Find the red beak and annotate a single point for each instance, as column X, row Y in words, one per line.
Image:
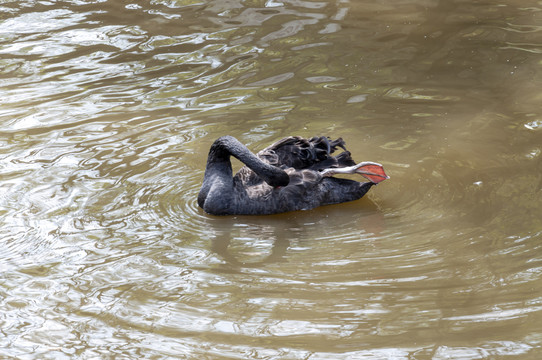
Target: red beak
column 373, row 172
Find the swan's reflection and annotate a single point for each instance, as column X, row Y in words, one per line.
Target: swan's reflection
column 240, row 240
column 221, row 246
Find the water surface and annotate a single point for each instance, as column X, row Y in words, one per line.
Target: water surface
column 108, row 109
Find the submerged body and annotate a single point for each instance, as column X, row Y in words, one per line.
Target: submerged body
column 292, row 174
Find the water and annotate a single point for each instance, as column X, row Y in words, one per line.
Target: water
column 107, row 111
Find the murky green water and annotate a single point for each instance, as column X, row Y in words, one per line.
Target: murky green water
column 107, row 111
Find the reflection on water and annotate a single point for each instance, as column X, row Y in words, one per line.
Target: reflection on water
column 106, row 116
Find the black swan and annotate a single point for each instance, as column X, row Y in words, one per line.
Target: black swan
column 292, row 174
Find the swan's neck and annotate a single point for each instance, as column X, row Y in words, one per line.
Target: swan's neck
column 216, row 190
column 218, row 193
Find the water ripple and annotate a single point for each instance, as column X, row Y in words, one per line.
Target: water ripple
column 108, row 112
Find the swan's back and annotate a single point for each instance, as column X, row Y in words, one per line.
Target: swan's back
column 295, row 152
column 299, row 153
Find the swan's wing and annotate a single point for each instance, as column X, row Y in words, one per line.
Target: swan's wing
column 300, row 153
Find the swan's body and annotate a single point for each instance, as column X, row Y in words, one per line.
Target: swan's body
column 292, row 174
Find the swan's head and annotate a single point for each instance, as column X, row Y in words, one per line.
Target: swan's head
column 277, row 177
